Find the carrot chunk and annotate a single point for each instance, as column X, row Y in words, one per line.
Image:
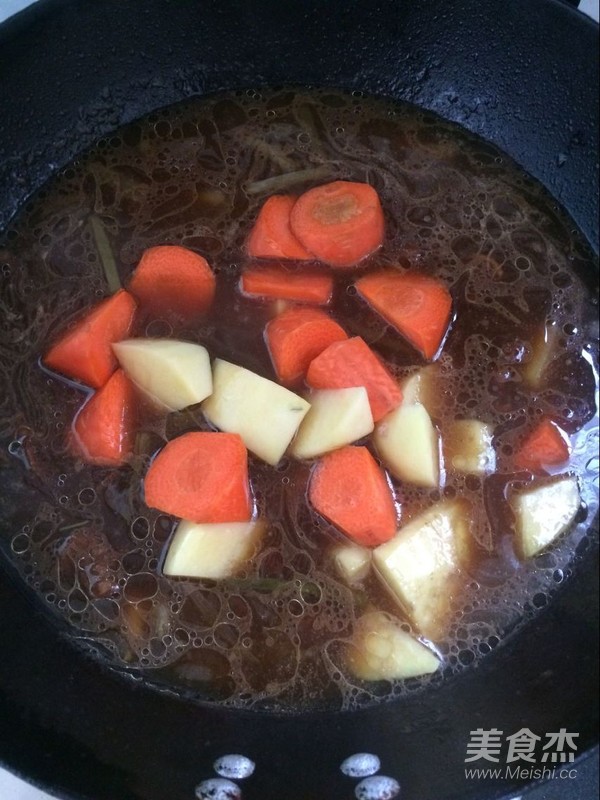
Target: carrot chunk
column 85, row 351
column 340, row 222
column 416, row 305
column 173, row 280
column 352, row 363
column 298, row 336
column 546, row 446
column 103, row 430
column 351, row 491
column 201, row 477
column 277, row 282
column 271, row 236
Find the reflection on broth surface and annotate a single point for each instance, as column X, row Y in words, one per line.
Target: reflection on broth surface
column 522, row 347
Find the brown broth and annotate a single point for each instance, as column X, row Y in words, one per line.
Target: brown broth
column 196, row 174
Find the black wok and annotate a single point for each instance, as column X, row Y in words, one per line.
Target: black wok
column 522, row 75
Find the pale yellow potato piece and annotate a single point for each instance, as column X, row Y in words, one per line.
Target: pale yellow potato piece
column 352, row 562
column 543, row 513
column 411, row 388
column 544, row 349
column 408, row 444
column 468, row 447
column 263, row 413
column 424, row 387
column 336, row 418
column 421, row 565
column 414, row 387
column 212, row 550
column 381, row 650
column 172, row 373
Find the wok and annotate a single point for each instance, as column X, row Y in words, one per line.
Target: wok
column 522, row 75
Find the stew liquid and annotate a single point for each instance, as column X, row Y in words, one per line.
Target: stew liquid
column 196, row 174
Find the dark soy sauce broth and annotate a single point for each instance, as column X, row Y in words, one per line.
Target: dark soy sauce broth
column 196, row 174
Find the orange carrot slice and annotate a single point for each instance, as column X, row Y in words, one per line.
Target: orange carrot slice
column 296, row 337
column 351, row 363
column 416, row 305
column 201, row 477
column 173, row 280
column 103, row 430
column 546, row 446
column 271, row 236
column 340, row 222
column 351, row 491
column 303, row 285
column 85, row 351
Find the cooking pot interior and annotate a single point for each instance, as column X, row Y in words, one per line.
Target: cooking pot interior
column 71, row 72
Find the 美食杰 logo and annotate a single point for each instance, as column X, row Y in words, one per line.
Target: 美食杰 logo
column 523, row 755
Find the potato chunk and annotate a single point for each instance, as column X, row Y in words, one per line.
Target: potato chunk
column 336, row 418
column 425, row 387
column 408, row 444
column 212, row 550
column 421, row 565
column 172, row 373
column 263, row 413
column 381, row 650
column 352, row 562
column 544, row 349
column 468, row 447
column 543, row 513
